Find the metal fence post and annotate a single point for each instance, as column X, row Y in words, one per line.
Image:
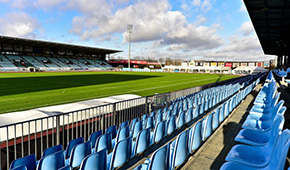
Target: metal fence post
column 146, row 105
column 58, row 130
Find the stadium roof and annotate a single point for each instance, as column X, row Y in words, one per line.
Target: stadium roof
column 54, row 45
column 271, row 20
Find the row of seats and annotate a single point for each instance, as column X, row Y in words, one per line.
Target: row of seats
column 264, row 143
column 46, row 63
column 135, row 137
column 175, row 153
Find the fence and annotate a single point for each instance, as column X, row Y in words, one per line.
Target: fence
column 34, row 136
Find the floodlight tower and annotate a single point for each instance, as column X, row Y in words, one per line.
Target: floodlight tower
column 129, row 30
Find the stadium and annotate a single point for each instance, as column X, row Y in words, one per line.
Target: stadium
column 65, row 106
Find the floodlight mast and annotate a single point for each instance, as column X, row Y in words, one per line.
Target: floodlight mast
column 129, row 30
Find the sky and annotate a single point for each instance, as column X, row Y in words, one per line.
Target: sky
column 185, row 29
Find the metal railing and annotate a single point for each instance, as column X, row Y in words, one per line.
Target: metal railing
column 34, row 136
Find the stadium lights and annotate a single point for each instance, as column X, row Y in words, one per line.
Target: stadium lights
column 129, row 30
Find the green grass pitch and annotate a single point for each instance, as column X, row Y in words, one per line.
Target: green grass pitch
column 22, row 91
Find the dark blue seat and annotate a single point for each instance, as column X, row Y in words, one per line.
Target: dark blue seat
column 67, row 167
column 52, row 162
column 123, row 124
column 72, row 144
column 112, row 130
column 28, row 161
column 79, row 153
column 95, row 161
column 52, row 150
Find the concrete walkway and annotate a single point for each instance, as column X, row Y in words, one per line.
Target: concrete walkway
column 211, row 155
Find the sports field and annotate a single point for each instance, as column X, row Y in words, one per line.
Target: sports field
column 22, row 91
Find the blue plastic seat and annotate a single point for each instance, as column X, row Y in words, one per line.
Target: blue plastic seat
column 28, row 161
column 249, row 157
column 159, row 118
column 149, row 123
column 195, row 136
column 123, row 124
column 94, row 136
column 121, row 153
column 20, row 167
column 67, row 167
column 136, row 129
column 95, row 161
column 143, row 118
column 261, row 138
column 104, row 142
column 206, row 127
column 112, row 130
column 189, row 115
column 123, row 133
column 52, row 162
column 52, row 150
column 79, row 153
column 179, row 150
column 159, row 160
column 221, row 112
column 142, row 142
column 72, row 144
column 133, row 123
column 181, row 120
column 215, row 119
column 169, row 113
column 171, row 125
column 159, row 132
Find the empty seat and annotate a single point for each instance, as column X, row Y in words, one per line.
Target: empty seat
column 51, row 150
column 123, row 133
column 181, row 119
column 28, row 161
column 136, row 129
column 79, row 152
column 206, row 127
column 20, row 167
column 171, row 125
column 95, row 161
column 104, row 142
column 52, row 162
column 159, row 132
column 72, row 144
column 123, row 124
column 149, row 123
column 195, row 136
column 94, row 136
column 142, row 142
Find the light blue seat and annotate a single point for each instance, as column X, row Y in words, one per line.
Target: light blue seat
column 20, row 167
column 221, row 112
column 169, row 113
column 228, row 107
column 261, row 138
column 159, row 132
column 195, row 136
column 206, row 127
column 259, row 158
column 123, row 124
column 52, row 150
column 72, row 144
column 181, row 120
column 133, row 123
column 143, row 118
column 179, row 150
column 104, row 142
column 136, row 129
column 171, row 125
column 189, row 115
column 123, row 133
column 79, row 153
column 159, row 160
column 261, row 109
column 95, row 161
column 215, row 119
column 52, row 162
column 121, row 153
column 149, row 122
column 158, row 118
column 142, row 142
column 94, row 136
column 28, row 161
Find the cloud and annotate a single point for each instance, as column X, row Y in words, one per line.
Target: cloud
column 206, row 6
column 47, row 4
column 18, row 24
column 200, row 20
column 243, row 7
column 246, row 29
column 196, row 2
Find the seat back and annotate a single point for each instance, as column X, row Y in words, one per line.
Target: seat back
column 112, row 130
column 79, row 153
column 96, row 160
column 71, row 144
column 51, row 150
column 142, row 141
column 180, row 151
column 159, row 118
column 181, row 119
column 123, row 133
column 104, row 142
column 20, row 167
column 123, row 124
column 136, row 129
column 121, row 153
column 67, row 167
column 195, row 136
column 159, row 132
column 215, row 119
column 133, row 123
column 160, row 159
column 189, row 115
column 206, row 127
column 149, row 123
column 52, row 162
column 28, row 161
column 94, row 136
column 171, row 125
column 143, row 119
